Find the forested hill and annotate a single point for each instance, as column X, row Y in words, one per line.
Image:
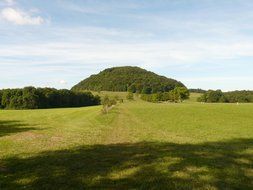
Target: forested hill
column 128, row 78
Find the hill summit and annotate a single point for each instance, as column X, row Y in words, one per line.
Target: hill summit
column 128, row 78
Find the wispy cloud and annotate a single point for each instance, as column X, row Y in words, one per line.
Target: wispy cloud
column 20, row 17
column 9, row 2
column 182, row 39
column 224, row 83
column 99, row 7
column 63, row 82
column 170, row 52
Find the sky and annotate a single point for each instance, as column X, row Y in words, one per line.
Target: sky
column 205, row 44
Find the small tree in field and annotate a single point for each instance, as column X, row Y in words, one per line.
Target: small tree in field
column 179, row 94
column 130, row 96
column 184, row 93
column 107, row 103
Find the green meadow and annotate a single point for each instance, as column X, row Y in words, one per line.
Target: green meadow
column 137, row 145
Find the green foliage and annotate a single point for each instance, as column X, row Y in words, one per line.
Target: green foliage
column 105, row 100
column 132, row 79
column 132, row 88
column 150, row 97
column 197, row 90
column 108, row 103
column 146, row 90
column 239, row 96
column 116, row 97
column 28, row 98
column 178, row 94
column 130, row 96
column 1, row 94
column 33, row 98
column 212, row 96
column 182, row 93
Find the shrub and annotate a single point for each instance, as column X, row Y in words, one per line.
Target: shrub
column 107, row 103
column 130, row 96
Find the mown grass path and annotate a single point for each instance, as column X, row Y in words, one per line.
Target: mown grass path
column 138, row 145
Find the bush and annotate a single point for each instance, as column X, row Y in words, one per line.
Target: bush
column 107, row 103
column 178, row 94
column 130, row 96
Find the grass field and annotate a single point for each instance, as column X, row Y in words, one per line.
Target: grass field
column 138, row 145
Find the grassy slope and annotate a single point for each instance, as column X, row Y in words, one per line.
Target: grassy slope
column 194, row 97
column 121, row 95
column 137, row 145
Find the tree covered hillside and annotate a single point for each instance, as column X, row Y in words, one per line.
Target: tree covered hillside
column 128, row 78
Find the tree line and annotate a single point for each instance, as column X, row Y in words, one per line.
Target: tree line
column 197, row 90
column 215, row 96
column 36, row 98
column 178, row 94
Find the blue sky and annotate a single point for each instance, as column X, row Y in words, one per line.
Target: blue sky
column 203, row 43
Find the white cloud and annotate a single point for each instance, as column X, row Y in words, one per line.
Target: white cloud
column 223, row 83
column 98, row 7
column 63, row 82
column 20, row 17
column 9, row 2
column 156, row 54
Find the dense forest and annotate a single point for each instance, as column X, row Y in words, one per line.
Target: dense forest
column 212, row 96
column 34, row 98
column 132, row 79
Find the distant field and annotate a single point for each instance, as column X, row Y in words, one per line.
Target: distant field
column 121, row 95
column 194, row 97
column 138, row 145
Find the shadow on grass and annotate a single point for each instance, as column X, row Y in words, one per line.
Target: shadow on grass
column 13, row 126
column 144, row 165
